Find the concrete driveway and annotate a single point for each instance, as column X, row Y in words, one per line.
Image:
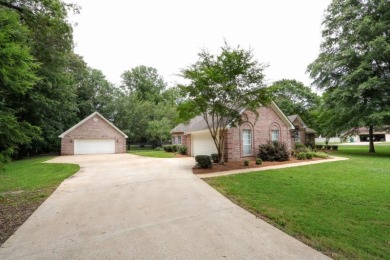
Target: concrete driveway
column 130, row 207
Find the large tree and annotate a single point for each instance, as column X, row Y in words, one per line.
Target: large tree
column 293, row 97
column 353, row 67
column 17, row 76
column 50, row 102
column 145, row 82
column 220, row 87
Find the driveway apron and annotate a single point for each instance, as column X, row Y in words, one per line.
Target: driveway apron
column 129, row 207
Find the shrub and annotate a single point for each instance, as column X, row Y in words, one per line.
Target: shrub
column 321, row 155
column 182, row 149
column 215, row 157
column 159, row 149
column 309, row 155
column 259, row 161
column 204, row 161
column 174, row 148
column 335, row 147
column 168, row 148
column 273, row 151
column 297, row 146
column 246, row 163
column 301, row 156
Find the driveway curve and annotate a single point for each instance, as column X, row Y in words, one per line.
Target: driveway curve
column 130, row 207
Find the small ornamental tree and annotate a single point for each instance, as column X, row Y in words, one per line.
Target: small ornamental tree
column 220, row 87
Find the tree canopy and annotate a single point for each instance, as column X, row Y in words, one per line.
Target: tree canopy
column 145, row 82
column 220, row 86
column 353, row 67
column 293, row 97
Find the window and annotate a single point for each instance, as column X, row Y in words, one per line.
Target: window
column 297, row 136
column 179, row 140
column 247, row 142
column 173, row 140
column 275, row 135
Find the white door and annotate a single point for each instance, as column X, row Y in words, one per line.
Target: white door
column 203, row 144
column 94, row 146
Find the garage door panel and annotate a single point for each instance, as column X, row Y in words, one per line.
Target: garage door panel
column 94, row 146
column 203, row 144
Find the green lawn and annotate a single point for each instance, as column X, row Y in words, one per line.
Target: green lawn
column 152, row 153
column 24, row 186
column 340, row 208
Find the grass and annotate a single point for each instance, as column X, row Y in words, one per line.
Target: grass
column 340, row 208
column 24, row 186
column 152, row 153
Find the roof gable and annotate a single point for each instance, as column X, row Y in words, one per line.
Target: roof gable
column 199, row 124
column 86, row 119
column 292, row 118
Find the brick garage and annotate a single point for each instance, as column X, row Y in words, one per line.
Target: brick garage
column 93, row 135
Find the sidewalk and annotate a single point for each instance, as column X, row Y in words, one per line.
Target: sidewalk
column 303, row 163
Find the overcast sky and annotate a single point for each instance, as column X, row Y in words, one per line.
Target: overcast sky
column 117, row 35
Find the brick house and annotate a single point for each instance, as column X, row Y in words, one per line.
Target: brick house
column 93, row 135
column 301, row 134
column 241, row 141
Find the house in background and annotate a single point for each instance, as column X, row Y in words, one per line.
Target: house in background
column 361, row 135
column 241, row 141
column 301, row 134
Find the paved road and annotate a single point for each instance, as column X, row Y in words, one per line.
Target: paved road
column 130, row 207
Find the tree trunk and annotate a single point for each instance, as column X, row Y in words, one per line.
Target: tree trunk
column 221, row 148
column 371, row 136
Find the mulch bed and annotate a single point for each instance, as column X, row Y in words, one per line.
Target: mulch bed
column 228, row 166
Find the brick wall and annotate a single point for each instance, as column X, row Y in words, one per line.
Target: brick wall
column 93, row 130
column 261, row 133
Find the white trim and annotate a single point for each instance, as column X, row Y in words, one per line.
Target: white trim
column 281, row 115
column 87, row 118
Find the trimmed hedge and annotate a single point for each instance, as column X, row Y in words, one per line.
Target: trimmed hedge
column 204, row 161
column 326, row 147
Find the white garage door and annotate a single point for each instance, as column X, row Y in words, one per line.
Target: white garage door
column 94, row 146
column 203, row 144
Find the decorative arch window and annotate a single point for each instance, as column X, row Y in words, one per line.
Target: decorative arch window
column 275, row 132
column 247, row 140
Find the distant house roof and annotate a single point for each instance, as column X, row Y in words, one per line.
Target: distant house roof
column 292, row 118
column 87, row 118
column 308, row 130
column 199, row 124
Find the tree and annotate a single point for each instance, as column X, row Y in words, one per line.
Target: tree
column 220, row 87
column 353, row 67
column 95, row 93
column 159, row 130
column 293, row 97
column 50, row 103
column 17, row 76
column 145, row 82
